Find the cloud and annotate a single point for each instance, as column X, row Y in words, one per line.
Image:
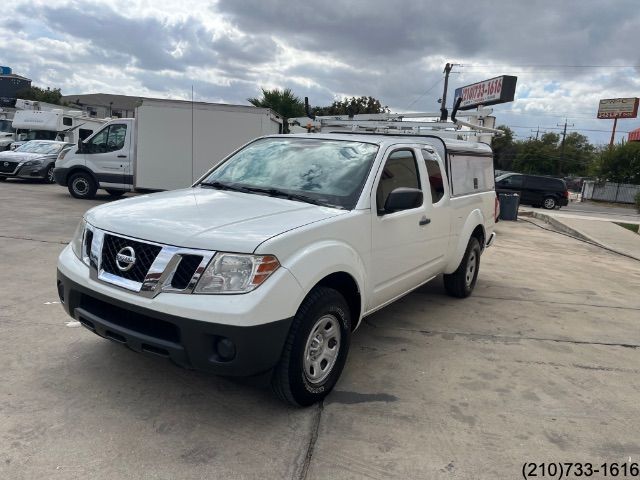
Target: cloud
column 394, row 51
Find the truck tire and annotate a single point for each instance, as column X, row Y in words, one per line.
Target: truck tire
column 460, row 283
column 114, row 193
column 315, row 350
column 82, row 185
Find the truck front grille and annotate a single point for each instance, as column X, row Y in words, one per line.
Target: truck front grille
column 142, row 267
column 185, row 271
column 144, row 254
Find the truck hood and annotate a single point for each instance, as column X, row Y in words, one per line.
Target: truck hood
column 206, row 218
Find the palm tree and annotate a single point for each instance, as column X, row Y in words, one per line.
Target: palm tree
column 283, row 102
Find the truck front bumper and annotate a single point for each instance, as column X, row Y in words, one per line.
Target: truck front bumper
column 229, row 346
column 60, row 176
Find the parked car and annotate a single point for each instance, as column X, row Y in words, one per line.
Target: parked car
column 274, row 257
column 535, row 190
column 34, row 159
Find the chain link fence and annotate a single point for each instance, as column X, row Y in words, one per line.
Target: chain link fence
column 610, row 192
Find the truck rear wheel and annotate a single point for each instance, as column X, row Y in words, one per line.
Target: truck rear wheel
column 316, row 349
column 460, row 283
column 82, row 185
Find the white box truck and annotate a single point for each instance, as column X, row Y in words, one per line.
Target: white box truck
column 168, row 145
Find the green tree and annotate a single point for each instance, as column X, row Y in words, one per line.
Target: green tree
column 537, row 156
column 621, row 163
column 579, row 155
column 545, row 156
column 504, row 149
column 41, row 95
column 352, row 106
column 284, row 102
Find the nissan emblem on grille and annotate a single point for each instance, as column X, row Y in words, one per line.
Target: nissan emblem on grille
column 126, row 259
column 6, row 164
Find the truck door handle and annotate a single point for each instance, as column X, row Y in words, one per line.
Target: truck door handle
column 424, row 221
column 122, row 156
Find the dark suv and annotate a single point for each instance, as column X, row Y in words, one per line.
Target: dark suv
column 535, row 190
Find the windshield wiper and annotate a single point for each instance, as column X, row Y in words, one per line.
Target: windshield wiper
column 274, row 192
column 225, row 186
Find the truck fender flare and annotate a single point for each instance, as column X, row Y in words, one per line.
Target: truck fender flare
column 80, row 168
column 474, row 220
column 322, row 259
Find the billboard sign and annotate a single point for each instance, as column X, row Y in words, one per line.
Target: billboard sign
column 618, row 108
column 489, row 92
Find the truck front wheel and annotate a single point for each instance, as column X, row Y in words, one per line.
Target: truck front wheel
column 82, row 185
column 461, row 282
column 316, row 349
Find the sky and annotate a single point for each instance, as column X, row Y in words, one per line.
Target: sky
column 567, row 55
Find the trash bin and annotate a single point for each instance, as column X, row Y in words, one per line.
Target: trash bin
column 509, row 203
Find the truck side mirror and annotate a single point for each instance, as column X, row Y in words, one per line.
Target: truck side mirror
column 403, row 198
column 80, row 145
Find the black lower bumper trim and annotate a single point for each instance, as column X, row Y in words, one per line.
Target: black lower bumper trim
column 60, row 176
column 187, row 342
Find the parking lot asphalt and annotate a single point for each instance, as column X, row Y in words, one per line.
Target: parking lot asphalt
column 542, row 363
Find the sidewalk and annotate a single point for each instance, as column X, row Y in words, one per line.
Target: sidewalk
column 604, row 233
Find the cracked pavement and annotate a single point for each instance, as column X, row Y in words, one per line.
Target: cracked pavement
column 540, row 364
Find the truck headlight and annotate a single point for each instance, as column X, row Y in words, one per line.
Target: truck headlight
column 76, row 241
column 63, row 154
column 236, row 273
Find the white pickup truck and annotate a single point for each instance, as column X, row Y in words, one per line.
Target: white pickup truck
column 273, row 258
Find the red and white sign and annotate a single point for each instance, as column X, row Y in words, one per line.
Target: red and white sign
column 618, row 108
column 488, row 92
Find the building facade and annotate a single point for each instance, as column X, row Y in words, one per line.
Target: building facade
column 10, row 85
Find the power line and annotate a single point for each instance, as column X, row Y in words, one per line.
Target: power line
column 549, row 66
column 427, row 91
column 558, row 128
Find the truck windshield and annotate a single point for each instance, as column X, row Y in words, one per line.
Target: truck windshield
column 323, row 171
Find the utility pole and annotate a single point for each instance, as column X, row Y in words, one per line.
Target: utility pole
column 537, row 132
column 443, row 106
column 444, row 114
column 613, row 132
column 564, row 134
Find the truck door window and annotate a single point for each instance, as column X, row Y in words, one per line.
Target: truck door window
column 117, row 134
column 435, row 176
column 400, row 170
column 109, row 139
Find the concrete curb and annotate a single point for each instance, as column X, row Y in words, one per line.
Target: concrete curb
column 561, row 227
